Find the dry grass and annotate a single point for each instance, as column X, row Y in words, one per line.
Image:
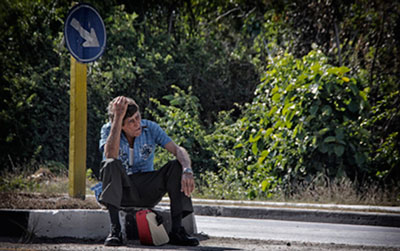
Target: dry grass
column 41, row 189
column 344, row 191
column 24, row 188
column 20, row 200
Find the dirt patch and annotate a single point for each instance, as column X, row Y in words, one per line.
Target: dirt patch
column 15, row 200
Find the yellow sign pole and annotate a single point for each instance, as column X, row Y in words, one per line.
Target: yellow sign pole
column 77, row 131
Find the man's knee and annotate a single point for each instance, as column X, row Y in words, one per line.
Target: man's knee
column 175, row 166
column 171, row 171
column 109, row 164
column 111, row 161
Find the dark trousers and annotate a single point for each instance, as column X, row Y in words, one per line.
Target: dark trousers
column 144, row 189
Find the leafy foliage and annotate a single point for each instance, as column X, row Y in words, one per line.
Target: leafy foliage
column 305, row 120
column 181, row 121
column 264, row 95
column 34, row 100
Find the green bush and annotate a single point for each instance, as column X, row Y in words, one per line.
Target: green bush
column 231, row 180
column 181, row 121
column 305, row 120
column 385, row 139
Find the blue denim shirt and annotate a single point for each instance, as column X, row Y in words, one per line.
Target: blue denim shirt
column 144, row 146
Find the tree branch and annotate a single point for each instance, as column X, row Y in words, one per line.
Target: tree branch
column 338, row 43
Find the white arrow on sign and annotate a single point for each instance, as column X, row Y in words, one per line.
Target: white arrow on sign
column 91, row 38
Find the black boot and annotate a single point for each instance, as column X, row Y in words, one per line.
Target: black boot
column 182, row 238
column 114, row 238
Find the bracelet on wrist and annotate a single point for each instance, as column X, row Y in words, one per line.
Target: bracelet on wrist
column 187, row 170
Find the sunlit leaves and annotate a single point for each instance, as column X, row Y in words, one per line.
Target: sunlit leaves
column 300, row 107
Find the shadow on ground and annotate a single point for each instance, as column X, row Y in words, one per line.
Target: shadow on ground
column 12, row 243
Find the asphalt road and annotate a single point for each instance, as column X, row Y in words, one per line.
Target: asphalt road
column 294, row 231
column 224, row 233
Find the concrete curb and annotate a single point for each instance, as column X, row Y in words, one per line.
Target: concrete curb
column 306, row 215
column 352, row 208
column 308, row 212
column 71, row 223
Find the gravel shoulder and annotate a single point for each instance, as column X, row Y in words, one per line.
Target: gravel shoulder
column 207, row 243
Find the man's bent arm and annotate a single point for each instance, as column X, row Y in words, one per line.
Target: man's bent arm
column 187, row 182
column 111, row 148
column 180, row 153
column 183, row 157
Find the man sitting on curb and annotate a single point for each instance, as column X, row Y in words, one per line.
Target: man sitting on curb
column 129, row 180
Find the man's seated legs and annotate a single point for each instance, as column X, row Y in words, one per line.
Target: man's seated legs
column 145, row 190
column 152, row 186
column 114, row 180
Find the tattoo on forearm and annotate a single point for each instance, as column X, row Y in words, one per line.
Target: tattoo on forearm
column 112, row 144
column 183, row 157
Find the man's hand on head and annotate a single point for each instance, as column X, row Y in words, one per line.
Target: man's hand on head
column 120, row 105
column 111, row 148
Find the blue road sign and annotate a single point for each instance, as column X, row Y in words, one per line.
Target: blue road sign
column 85, row 33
